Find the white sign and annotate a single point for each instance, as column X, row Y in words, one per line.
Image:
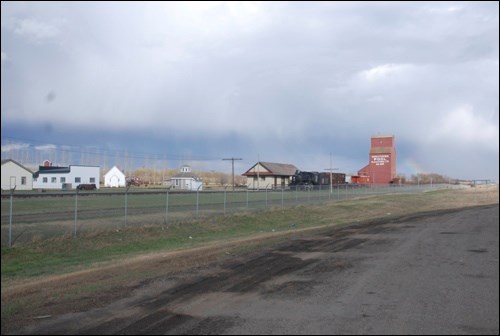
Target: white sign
column 380, row 160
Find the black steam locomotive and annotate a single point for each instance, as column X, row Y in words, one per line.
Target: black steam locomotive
column 304, row 178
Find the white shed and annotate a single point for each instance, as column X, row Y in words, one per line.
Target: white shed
column 16, row 175
column 115, row 178
column 186, row 180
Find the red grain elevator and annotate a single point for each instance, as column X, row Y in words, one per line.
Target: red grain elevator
column 381, row 168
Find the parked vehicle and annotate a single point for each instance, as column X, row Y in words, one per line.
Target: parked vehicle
column 136, row 181
column 89, row 186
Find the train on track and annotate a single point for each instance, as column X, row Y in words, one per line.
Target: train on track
column 312, row 178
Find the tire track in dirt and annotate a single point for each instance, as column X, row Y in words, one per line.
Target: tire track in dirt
column 247, row 276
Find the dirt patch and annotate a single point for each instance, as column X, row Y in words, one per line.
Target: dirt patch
column 142, row 276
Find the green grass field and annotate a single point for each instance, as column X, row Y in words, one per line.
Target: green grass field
column 66, row 254
column 51, row 216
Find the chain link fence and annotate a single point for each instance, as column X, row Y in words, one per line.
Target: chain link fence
column 29, row 217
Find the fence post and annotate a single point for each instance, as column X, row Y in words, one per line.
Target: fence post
column 166, row 209
column 266, row 194
column 198, row 199
column 10, row 215
column 76, row 209
column 282, row 191
column 126, row 203
column 225, row 200
column 247, row 198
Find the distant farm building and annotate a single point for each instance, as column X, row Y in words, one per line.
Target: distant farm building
column 186, row 180
column 16, row 175
column 114, row 178
column 381, row 168
column 50, row 177
column 269, row 175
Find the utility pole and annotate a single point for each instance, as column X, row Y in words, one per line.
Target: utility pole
column 232, row 159
column 331, row 175
column 258, row 171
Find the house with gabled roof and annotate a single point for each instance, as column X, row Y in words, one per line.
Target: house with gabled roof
column 269, row 175
column 114, row 178
column 16, row 175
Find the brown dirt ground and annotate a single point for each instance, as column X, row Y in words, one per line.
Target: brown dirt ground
column 126, row 277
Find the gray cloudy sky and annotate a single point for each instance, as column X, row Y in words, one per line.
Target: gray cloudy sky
column 284, row 82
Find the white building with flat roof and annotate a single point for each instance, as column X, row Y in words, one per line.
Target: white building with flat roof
column 70, row 177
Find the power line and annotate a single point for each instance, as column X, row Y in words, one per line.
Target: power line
column 65, row 148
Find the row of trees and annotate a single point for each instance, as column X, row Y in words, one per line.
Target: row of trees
column 218, row 179
column 430, row 178
column 160, row 176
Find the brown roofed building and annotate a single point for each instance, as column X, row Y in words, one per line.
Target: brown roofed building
column 269, row 175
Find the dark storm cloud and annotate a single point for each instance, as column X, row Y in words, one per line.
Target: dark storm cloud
column 293, row 81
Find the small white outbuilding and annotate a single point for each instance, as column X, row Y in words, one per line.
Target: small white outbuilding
column 15, row 175
column 186, row 180
column 114, row 178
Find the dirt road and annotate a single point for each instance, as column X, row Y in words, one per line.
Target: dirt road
column 434, row 273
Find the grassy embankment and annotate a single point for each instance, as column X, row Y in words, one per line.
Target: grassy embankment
column 64, row 255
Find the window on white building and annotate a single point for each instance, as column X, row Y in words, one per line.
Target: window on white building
column 53, row 180
column 78, row 179
column 45, row 180
column 63, row 180
column 23, row 180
